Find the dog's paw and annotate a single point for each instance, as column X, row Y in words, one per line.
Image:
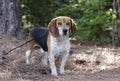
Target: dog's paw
column 28, row 62
column 62, row 72
column 54, row 74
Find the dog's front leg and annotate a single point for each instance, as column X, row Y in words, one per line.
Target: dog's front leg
column 52, row 64
column 64, row 59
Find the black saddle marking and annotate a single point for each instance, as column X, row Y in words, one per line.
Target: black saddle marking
column 40, row 35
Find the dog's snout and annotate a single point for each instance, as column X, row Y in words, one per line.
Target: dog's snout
column 64, row 31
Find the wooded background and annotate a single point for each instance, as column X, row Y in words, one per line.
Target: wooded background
column 97, row 20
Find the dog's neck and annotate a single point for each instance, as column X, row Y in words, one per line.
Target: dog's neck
column 60, row 38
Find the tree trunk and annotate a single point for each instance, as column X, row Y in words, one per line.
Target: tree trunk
column 116, row 23
column 10, row 18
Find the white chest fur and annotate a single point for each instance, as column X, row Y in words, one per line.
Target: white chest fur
column 59, row 45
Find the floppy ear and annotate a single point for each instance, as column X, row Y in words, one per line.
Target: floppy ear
column 73, row 27
column 52, row 28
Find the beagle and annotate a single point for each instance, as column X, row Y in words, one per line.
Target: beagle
column 53, row 41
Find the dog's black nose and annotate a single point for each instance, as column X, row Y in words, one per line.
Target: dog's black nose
column 64, row 31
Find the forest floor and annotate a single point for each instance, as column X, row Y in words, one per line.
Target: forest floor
column 88, row 62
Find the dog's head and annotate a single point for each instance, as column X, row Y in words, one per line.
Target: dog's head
column 61, row 26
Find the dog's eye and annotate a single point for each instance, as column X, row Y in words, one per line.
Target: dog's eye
column 68, row 23
column 59, row 23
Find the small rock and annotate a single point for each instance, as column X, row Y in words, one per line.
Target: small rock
column 71, row 52
column 81, row 62
column 97, row 62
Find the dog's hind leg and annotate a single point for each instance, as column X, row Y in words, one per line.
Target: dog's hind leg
column 28, row 54
column 44, row 57
column 29, row 47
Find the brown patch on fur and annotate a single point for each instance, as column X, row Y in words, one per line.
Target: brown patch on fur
column 73, row 28
column 48, row 44
column 52, row 28
column 31, row 45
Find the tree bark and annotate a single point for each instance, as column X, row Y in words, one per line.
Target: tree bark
column 116, row 24
column 10, row 18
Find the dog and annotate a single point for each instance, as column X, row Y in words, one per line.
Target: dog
column 53, row 42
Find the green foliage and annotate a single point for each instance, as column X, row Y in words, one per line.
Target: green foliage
column 37, row 12
column 90, row 15
column 95, row 16
column 70, row 10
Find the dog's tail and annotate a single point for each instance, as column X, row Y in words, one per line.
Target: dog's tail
column 3, row 52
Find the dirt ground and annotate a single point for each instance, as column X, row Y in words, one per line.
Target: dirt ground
column 88, row 62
